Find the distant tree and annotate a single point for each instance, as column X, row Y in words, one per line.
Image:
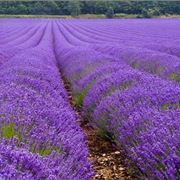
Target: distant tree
column 11, row 10
column 37, row 8
column 154, row 12
column 74, row 8
column 148, row 13
column 145, row 13
column 51, row 7
column 100, row 6
column 110, row 12
column 21, row 9
column 63, row 7
column 87, row 7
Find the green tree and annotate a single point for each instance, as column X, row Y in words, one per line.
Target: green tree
column 37, row 8
column 51, row 7
column 100, row 7
column 74, row 8
column 146, row 13
column 110, row 12
column 21, row 9
column 154, row 11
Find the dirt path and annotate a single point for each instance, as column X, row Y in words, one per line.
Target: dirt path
column 108, row 162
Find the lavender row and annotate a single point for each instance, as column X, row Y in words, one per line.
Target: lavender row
column 139, row 33
column 127, row 46
column 153, row 62
column 40, row 138
column 21, row 42
column 139, row 111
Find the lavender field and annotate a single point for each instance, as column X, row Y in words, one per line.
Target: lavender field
column 124, row 76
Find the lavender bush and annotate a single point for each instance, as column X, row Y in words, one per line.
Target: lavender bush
column 127, row 87
column 39, row 135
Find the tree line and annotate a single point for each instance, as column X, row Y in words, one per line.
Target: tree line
column 76, row 7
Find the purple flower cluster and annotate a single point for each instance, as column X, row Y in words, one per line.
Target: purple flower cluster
column 39, row 134
column 127, row 88
column 158, row 63
column 140, row 43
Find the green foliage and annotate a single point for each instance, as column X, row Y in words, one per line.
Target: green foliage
column 126, row 85
column 110, row 12
column 44, row 150
column 79, row 99
column 103, row 132
column 168, row 106
column 146, row 13
column 165, row 106
column 74, row 8
column 175, row 76
column 161, row 166
column 9, row 131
